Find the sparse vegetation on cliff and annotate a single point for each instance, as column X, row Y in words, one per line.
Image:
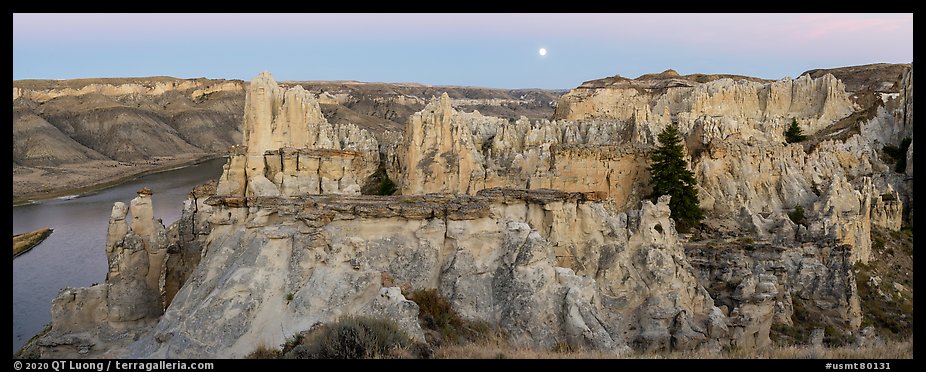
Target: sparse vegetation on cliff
column 379, row 183
column 442, row 324
column 885, row 284
column 899, row 154
column 386, row 186
column 492, row 350
column 500, row 349
column 670, row 176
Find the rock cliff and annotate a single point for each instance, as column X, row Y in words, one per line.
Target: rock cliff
column 759, row 285
column 291, row 149
column 110, row 116
column 536, row 227
column 734, row 136
column 513, row 258
column 445, row 150
column 90, row 131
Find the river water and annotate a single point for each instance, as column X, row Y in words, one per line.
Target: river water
column 75, row 254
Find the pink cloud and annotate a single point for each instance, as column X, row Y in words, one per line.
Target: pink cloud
column 747, row 33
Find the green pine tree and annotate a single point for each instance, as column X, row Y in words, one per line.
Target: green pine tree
column 670, row 176
column 794, row 133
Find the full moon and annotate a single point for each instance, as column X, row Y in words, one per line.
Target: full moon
column 542, row 51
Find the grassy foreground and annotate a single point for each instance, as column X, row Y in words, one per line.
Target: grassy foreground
column 448, row 336
column 492, row 350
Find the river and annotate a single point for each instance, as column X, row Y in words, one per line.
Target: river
column 75, row 254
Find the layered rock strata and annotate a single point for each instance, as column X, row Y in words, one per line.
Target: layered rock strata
column 291, row 149
column 544, row 266
column 757, row 286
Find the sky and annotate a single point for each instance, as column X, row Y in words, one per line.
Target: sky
column 487, row 50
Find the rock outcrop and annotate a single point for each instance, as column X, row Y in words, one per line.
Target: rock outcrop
column 291, row 149
column 445, row 150
column 544, row 266
column 663, row 100
column 733, row 132
column 46, row 90
column 757, row 285
column 99, row 321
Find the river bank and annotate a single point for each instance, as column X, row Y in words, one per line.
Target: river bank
column 75, row 254
column 32, row 184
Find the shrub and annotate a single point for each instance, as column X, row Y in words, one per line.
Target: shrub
column 797, row 215
column 437, row 314
column 386, row 187
column 352, row 338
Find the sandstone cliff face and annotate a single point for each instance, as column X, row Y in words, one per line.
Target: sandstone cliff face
column 291, row 149
column 758, row 285
column 445, row 150
column 544, row 266
column 635, row 102
column 45, row 90
column 513, row 258
column 734, row 134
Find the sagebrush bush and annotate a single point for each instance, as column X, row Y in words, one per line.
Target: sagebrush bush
column 352, row 338
column 264, row 352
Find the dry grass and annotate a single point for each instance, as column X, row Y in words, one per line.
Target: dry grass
column 264, row 352
column 22, row 243
column 500, row 350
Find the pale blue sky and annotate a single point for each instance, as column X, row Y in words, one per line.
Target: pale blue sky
column 491, row 50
